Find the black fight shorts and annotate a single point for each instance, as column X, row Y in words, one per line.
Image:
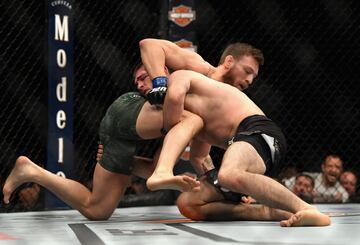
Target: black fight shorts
column 266, row 137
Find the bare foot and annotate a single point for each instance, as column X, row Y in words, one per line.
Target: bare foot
column 19, row 175
column 178, row 182
column 307, row 217
column 275, row 214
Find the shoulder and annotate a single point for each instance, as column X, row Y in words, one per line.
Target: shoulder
column 184, row 73
column 184, row 77
column 340, row 188
column 128, row 103
column 318, row 179
column 131, row 96
column 313, row 175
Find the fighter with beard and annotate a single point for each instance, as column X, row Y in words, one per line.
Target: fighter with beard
column 238, row 66
column 254, row 144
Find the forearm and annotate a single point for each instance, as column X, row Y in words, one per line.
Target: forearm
column 202, row 165
column 153, row 57
column 156, row 53
column 173, row 108
column 200, row 158
column 178, row 138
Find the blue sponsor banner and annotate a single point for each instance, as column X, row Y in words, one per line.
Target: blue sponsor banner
column 60, row 93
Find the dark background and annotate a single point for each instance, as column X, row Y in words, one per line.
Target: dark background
column 308, row 85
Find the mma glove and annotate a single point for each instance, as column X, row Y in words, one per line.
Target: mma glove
column 156, row 96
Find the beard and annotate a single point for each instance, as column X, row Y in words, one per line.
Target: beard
column 229, row 77
column 331, row 179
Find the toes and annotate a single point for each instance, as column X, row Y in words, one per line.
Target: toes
column 188, row 178
column 6, row 199
column 284, row 223
column 287, row 223
column 191, row 183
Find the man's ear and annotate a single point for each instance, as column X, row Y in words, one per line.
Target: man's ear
column 229, row 62
column 166, row 71
column 323, row 167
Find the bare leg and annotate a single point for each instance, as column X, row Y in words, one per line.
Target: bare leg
column 174, row 143
column 108, row 188
column 207, row 204
column 271, row 193
column 263, row 188
column 180, row 182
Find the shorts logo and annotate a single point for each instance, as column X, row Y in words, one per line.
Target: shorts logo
column 182, row 15
column 183, row 43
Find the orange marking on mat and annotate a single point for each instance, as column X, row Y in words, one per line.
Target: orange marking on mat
column 4, row 236
column 171, row 221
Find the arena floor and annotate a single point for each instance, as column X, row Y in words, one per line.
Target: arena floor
column 164, row 225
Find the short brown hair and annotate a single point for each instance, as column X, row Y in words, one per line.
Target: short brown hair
column 237, row 50
column 336, row 156
column 312, row 182
column 137, row 67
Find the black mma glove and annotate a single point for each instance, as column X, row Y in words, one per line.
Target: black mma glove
column 156, row 96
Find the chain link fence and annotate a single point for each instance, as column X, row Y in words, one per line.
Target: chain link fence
column 308, row 84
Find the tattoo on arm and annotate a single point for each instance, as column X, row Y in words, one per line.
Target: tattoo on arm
column 208, row 164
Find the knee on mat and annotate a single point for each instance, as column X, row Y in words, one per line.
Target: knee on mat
column 231, row 181
column 92, row 214
column 187, row 208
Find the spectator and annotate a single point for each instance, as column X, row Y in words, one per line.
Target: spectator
column 348, row 180
column 27, row 198
column 327, row 184
column 287, row 176
column 304, row 187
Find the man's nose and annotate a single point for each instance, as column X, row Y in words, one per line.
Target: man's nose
column 249, row 79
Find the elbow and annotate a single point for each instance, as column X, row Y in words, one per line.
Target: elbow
column 175, row 98
column 173, row 109
column 144, row 43
column 179, row 84
column 175, row 95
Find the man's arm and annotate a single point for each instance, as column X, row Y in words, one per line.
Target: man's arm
column 149, row 122
column 179, row 85
column 156, row 53
column 200, row 158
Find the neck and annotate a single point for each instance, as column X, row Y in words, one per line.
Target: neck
column 216, row 73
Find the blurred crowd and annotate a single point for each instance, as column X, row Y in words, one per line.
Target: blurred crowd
column 333, row 184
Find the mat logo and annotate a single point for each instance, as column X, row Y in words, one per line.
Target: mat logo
column 4, row 236
column 182, row 15
column 183, row 43
column 149, row 232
